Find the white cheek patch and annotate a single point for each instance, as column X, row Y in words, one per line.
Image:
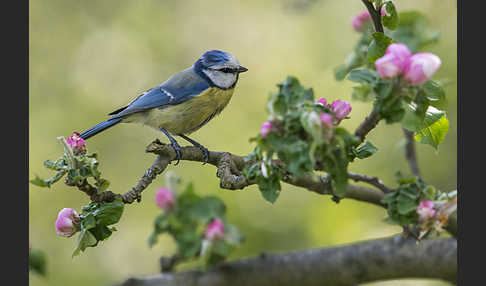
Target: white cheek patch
column 221, row 79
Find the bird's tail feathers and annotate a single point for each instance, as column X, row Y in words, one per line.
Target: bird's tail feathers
column 100, row 127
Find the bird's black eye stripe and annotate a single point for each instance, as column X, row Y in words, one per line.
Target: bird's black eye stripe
column 227, row 70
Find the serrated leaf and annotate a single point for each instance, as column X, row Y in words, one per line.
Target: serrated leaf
column 363, row 75
column 378, row 46
column 391, row 22
column 435, row 133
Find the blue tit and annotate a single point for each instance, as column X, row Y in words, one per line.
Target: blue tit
column 185, row 102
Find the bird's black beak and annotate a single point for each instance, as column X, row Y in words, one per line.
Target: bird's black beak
column 242, row 69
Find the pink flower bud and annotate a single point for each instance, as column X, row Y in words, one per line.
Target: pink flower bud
column 77, row 144
column 341, row 109
column 67, row 222
column 420, row 67
column 326, row 120
column 164, row 198
column 265, row 129
column 215, row 230
column 362, row 19
column 322, row 101
column 393, row 62
column 426, row 210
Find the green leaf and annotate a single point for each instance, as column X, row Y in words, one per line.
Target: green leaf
column 435, row 133
column 108, row 213
column 413, row 31
column 100, row 232
column 312, row 124
column 429, row 192
column 416, row 120
column 85, row 239
column 406, row 206
column 378, row 46
column 102, row 185
column 391, row 22
column 269, row 187
column 47, row 182
column 38, row 262
column 207, row 208
column 387, row 104
column 366, row 150
column 55, row 165
column 363, row 76
column 363, row 92
column 434, row 93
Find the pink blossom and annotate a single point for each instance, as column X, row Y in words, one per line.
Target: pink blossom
column 164, row 198
column 393, row 62
column 420, row 67
column 67, row 222
column 322, row 101
column 77, row 143
column 326, row 120
column 215, row 229
column 265, row 129
column 341, row 109
column 426, row 210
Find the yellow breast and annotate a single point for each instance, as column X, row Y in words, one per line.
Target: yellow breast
column 188, row 116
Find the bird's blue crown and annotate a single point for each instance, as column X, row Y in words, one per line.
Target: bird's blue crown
column 213, row 57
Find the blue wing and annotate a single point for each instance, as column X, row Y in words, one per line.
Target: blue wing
column 179, row 88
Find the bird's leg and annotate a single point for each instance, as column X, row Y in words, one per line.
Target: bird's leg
column 203, row 149
column 174, row 145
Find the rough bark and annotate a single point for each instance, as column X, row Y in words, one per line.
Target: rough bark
column 381, row 259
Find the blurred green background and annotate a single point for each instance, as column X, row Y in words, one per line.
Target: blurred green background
column 88, row 58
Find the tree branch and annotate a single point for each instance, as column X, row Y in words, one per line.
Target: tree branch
column 410, row 152
column 375, row 15
column 368, row 124
column 229, row 172
column 382, row 259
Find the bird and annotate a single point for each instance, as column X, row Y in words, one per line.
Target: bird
column 185, row 102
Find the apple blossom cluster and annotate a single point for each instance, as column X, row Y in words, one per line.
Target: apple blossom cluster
column 416, row 69
column 77, row 144
column 340, row 109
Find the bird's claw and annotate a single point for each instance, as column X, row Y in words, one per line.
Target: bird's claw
column 205, row 152
column 178, row 152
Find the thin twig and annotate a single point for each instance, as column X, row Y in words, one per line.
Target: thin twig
column 374, row 181
column 368, row 124
column 375, row 15
column 410, row 153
